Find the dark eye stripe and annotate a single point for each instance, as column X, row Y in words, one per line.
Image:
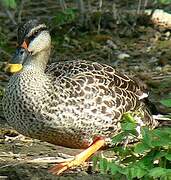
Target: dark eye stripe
column 36, row 33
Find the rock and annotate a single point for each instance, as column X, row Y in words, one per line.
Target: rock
column 111, row 44
column 123, row 56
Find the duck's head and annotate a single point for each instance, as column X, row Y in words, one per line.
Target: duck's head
column 33, row 38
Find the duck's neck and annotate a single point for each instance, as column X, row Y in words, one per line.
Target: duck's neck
column 37, row 62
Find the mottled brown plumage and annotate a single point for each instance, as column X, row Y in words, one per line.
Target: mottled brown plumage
column 67, row 103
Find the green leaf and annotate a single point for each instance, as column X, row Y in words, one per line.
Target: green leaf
column 119, row 137
column 10, row 3
column 136, row 171
column 103, row 165
column 65, row 17
column 164, row 130
column 166, row 102
column 160, row 154
column 168, row 171
column 119, row 168
column 141, row 148
column 161, row 137
column 164, row 1
column 157, row 172
column 137, row 161
column 113, row 168
column 13, row 4
column 130, row 158
column 95, row 161
column 146, row 134
column 123, row 152
column 168, row 157
column 5, row 3
column 128, row 118
column 128, row 126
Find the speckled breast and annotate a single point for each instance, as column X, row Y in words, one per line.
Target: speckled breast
column 31, row 110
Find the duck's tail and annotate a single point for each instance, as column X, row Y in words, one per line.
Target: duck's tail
column 163, row 119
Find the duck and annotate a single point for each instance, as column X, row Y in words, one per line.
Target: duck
column 75, row 104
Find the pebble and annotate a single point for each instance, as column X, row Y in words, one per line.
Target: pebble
column 123, row 56
column 111, row 44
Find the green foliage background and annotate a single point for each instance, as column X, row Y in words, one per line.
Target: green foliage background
column 148, row 159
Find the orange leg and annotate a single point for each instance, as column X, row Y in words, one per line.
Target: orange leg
column 78, row 159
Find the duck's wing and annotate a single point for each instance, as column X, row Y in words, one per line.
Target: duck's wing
column 98, row 86
column 101, row 74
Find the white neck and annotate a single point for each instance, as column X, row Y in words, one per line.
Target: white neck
column 37, row 62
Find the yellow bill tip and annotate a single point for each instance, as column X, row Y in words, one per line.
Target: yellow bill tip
column 13, row 68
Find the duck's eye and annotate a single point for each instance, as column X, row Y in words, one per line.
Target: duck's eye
column 30, row 38
column 36, row 33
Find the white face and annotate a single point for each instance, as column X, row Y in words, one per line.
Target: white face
column 39, row 43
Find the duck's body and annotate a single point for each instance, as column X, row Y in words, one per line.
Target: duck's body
column 68, row 103
column 71, row 102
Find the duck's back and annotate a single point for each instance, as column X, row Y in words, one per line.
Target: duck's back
column 91, row 99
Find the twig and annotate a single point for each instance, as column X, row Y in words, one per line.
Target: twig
column 62, row 4
column 40, row 160
column 114, row 11
column 100, row 10
column 11, row 17
column 89, row 6
column 81, row 8
column 20, row 11
column 49, row 160
column 145, row 4
column 161, row 77
column 139, row 6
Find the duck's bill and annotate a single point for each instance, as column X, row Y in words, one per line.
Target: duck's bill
column 16, row 63
column 13, row 68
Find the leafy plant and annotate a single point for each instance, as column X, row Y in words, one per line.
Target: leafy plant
column 163, row 1
column 150, row 158
column 166, row 102
column 66, row 16
column 3, row 39
column 9, row 3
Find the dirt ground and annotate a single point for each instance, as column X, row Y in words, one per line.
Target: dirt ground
column 27, row 159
